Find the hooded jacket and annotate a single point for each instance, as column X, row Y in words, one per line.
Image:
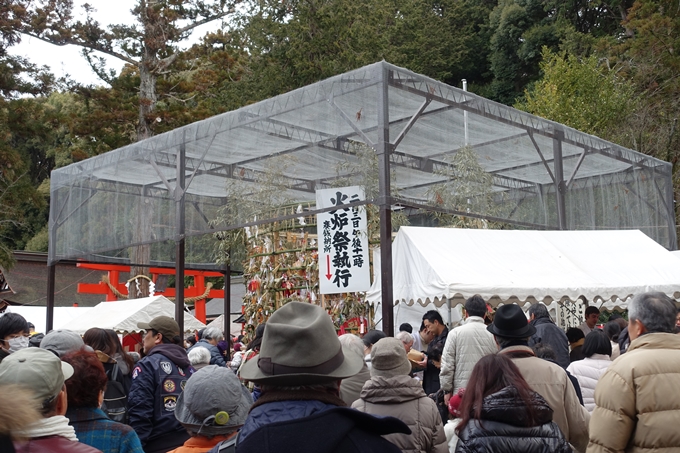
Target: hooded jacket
column 313, row 422
column 464, row 346
column 350, row 388
column 403, row 397
column 157, row 381
column 505, row 428
column 216, row 357
column 547, row 332
column 588, row 372
column 637, row 405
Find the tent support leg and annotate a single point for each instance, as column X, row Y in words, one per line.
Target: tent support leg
column 227, row 302
column 180, row 240
column 385, row 204
column 51, row 277
column 559, row 180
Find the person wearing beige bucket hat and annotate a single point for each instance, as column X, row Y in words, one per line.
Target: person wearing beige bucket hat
column 299, row 368
column 392, row 392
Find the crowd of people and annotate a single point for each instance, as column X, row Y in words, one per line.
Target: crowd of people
column 500, row 382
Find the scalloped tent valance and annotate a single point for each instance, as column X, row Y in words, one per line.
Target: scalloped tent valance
column 438, row 264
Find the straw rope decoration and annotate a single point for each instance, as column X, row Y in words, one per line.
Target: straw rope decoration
column 187, row 300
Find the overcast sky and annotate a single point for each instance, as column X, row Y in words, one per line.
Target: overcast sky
column 69, row 60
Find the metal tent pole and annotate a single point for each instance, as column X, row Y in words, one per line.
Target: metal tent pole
column 51, row 275
column 227, row 300
column 180, row 239
column 383, row 148
column 561, row 187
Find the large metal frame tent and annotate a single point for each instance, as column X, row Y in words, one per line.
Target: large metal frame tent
column 399, row 134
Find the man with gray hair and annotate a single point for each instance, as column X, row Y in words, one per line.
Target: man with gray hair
column 464, row 346
column 549, row 334
column 199, row 357
column 637, row 405
column 211, row 336
column 406, row 338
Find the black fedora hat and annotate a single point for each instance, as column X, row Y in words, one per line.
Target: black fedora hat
column 511, row 322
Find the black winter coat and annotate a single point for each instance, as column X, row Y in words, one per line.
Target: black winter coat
column 337, row 430
column 503, row 427
column 216, row 357
column 431, row 375
column 547, row 332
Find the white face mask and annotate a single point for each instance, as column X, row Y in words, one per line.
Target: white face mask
column 18, row 343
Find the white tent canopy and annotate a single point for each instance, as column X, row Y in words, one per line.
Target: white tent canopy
column 234, row 328
column 38, row 315
column 123, row 315
column 441, row 264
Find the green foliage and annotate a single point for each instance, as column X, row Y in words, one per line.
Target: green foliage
column 13, row 180
column 194, row 90
column 467, row 188
column 597, row 18
column 607, row 67
column 17, row 75
column 580, row 93
column 520, row 29
column 39, row 242
column 149, row 43
column 649, row 60
column 299, row 42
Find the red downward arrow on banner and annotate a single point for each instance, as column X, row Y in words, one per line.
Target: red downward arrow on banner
column 328, row 267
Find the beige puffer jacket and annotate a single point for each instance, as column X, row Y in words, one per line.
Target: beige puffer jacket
column 403, row 397
column 551, row 382
column 637, row 403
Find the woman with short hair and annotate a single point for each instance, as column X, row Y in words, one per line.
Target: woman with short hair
column 597, row 350
column 117, row 363
column 85, row 393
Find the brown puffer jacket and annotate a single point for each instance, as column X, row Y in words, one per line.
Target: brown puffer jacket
column 637, row 403
column 403, row 397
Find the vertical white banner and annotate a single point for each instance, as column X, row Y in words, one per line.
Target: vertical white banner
column 343, row 242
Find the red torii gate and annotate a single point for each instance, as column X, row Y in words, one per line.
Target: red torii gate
column 114, row 270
